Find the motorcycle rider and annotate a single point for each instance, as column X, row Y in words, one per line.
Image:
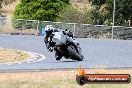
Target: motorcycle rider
column 49, row 29
column 47, row 39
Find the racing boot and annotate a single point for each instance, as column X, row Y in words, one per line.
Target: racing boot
column 58, row 55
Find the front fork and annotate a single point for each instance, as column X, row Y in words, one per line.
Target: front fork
column 75, row 43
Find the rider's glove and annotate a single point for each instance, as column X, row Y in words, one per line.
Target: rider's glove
column 47, row 45
column 49, row 48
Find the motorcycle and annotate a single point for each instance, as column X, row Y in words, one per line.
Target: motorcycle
column 66, row 46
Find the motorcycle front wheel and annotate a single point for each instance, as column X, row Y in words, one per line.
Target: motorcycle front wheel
column 73, row 52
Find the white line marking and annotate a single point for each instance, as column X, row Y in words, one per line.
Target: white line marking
column 34, row 58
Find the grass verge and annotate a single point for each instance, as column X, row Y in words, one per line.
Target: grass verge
column 56, row 79
column 9, row 55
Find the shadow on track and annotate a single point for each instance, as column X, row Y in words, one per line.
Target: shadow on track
column 66, row 61
column 71, row 61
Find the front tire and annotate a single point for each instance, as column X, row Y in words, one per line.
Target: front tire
column 75, row 54
column 80, row 59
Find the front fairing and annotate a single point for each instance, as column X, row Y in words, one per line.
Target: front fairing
column 59, row 38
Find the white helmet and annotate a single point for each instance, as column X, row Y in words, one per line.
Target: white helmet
column 49, row 28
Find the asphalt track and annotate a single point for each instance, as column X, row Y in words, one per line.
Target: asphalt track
column 98, row 53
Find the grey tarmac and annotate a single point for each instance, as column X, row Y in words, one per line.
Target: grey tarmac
column 98, row 53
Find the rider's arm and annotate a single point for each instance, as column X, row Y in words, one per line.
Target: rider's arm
column 47, row 43
column 46, row 39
